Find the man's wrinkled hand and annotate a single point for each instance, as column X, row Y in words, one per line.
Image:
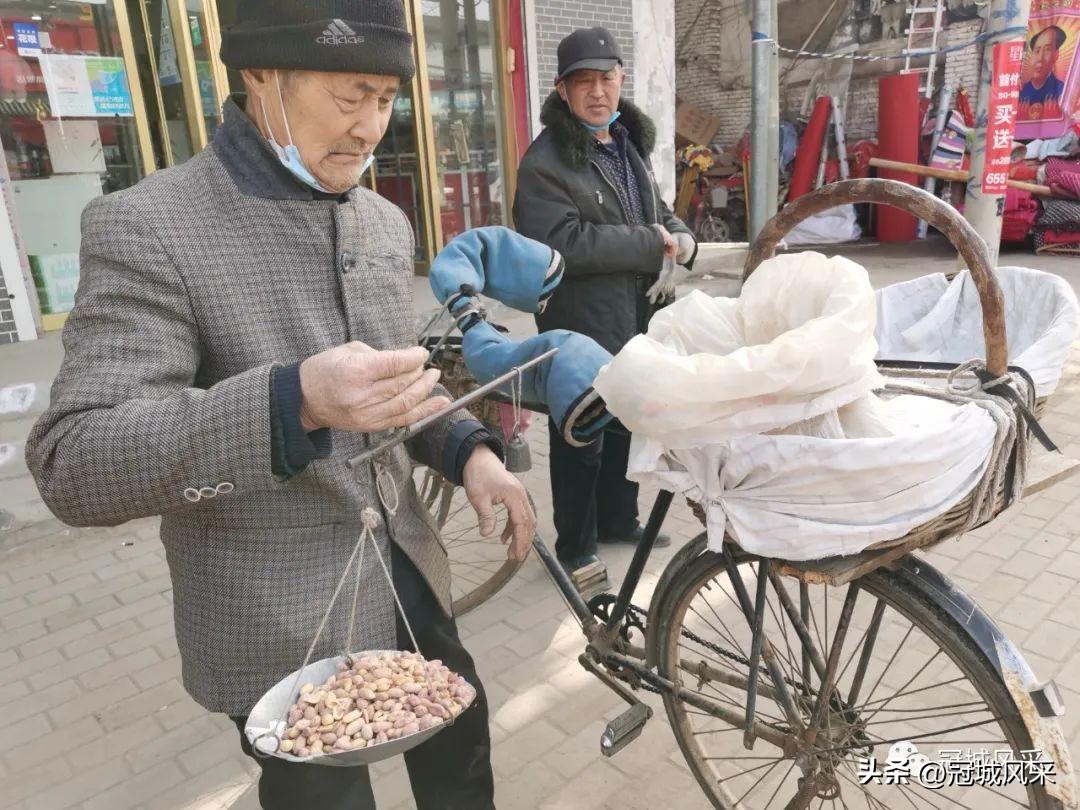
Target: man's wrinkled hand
column 487, row 484
column 356, row 388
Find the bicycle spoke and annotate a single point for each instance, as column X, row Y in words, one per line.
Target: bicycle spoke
column 908, row 793
column 885, row 669
column 911, row 692
column 730, row 634
column 923, row 717
column 912, row 680
column 922, row 737
column 871, row 800
column 790, row 654
column 740, row 773
column 727, row 636
column 783, row 781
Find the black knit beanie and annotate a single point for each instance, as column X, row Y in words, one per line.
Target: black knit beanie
column 347, row 36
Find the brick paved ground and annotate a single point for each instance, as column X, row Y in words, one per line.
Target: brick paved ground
column 89, row 668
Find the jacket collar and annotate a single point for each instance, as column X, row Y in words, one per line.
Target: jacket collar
column 574, row 142
column 253, row 165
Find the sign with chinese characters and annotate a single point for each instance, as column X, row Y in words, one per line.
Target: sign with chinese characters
column 86, row 86
column 1001, row 114
column 1050, row 77
column 27, row 39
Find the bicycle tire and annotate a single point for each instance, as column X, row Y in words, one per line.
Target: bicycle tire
column 933, row 622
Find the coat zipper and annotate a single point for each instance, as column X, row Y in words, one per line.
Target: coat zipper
column 655, row 202
column 615, row 190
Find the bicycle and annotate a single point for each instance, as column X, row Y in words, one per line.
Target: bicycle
column 738, row 643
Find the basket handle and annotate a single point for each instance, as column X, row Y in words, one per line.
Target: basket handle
column 923, row 205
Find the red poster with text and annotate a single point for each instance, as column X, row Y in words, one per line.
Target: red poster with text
column 1001, row 115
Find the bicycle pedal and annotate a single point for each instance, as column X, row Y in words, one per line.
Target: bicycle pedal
column 624, row 729
column 591, row 580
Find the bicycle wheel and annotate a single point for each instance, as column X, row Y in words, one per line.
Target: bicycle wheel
column 479, row 567
column 906, row 673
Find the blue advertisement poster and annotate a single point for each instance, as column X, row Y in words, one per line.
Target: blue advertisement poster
column 27, row 39
column 108, row 86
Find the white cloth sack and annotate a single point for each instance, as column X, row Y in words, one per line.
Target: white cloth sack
column 804, row 497
column 797, row 343
column 827, row 228
column 932, row 319
column 761, row 408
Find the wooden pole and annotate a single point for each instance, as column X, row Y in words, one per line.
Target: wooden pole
column 956, row 175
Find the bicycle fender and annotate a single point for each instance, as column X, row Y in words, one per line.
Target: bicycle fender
column 1039, row 704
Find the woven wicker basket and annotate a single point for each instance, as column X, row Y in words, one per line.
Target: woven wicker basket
column 995, row 493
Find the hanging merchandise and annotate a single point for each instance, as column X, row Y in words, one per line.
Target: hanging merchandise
column 952, row 145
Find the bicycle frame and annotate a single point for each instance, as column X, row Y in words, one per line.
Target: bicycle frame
column 615, row 661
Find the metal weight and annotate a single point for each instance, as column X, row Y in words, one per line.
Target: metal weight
column 518, row 455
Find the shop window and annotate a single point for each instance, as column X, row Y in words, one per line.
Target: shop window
column 67, row 126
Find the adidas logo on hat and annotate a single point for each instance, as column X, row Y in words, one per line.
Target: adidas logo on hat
column 338, row 33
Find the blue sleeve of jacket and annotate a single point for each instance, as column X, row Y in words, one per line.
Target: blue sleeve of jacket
column 292, row 448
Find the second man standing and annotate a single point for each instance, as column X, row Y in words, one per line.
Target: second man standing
column 586, row 188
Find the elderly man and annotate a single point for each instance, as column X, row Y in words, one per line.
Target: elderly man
column 242, row 328
column 585, row 187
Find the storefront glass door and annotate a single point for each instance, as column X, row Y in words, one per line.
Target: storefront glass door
column 460, row 39
column 69, row 128
column 397, row 168
column 199, row 30
column 162, row 68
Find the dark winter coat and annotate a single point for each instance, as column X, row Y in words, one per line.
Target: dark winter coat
column 565, row 200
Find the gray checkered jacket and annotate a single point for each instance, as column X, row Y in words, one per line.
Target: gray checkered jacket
column 191, row 290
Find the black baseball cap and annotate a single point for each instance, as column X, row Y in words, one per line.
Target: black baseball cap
column 588, row 49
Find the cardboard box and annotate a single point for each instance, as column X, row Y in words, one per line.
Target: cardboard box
column 694, row 124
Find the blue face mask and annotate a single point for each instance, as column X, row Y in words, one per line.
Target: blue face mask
column 601, row 127
column 290, row 155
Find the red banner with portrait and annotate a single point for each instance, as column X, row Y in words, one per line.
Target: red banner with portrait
column 1050, row 77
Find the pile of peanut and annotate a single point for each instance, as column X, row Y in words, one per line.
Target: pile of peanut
column 373, row 698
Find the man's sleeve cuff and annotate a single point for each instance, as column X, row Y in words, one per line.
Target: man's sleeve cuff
column 463, row 438
column 294, row 448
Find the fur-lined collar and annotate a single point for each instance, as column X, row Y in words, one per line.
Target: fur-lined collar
column 575, row 142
